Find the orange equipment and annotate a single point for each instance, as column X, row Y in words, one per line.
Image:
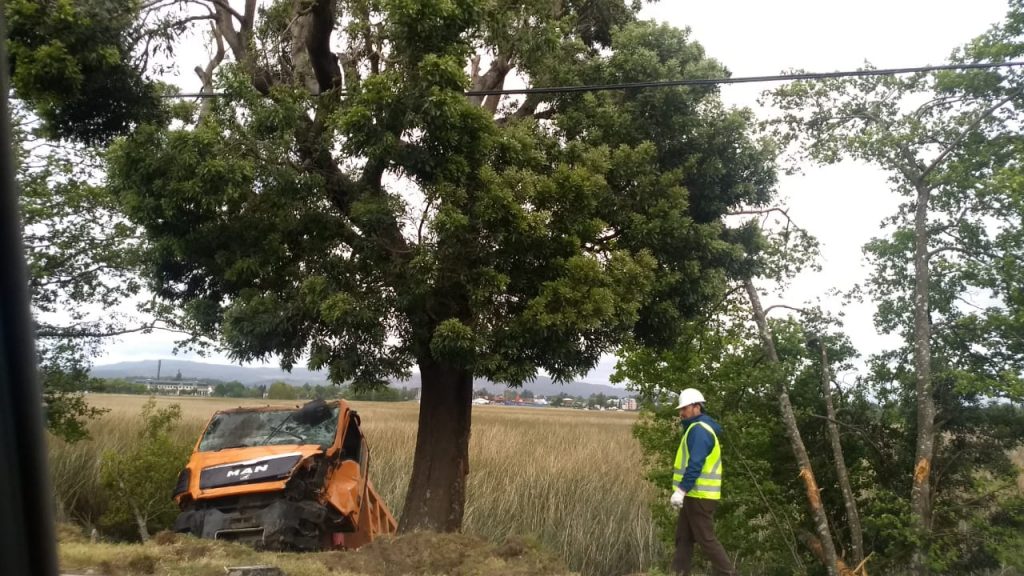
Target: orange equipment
column 282, row 479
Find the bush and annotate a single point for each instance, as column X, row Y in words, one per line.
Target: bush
column 138, row 479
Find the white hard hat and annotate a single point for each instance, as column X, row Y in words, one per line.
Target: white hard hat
column 690, row 396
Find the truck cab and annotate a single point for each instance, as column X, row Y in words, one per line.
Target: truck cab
column 282, row 479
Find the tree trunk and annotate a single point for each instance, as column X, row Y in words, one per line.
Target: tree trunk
column 795, row 440
column 140, row 520
column 436, row 498
column 852, row 515
column 920, row 493
column 814, row 545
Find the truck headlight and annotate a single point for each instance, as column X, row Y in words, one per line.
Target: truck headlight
column 182, row 485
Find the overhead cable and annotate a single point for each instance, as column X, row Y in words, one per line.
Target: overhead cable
column 707, row 81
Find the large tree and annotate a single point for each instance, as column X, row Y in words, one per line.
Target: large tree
column 343, row 202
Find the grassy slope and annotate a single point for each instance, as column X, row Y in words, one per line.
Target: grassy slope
column 173, row 555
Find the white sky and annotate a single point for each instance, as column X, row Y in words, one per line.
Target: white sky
column 841, row 205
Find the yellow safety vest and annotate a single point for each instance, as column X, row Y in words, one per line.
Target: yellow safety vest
column 709, row 483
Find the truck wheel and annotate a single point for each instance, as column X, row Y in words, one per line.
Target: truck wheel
column 300, row 526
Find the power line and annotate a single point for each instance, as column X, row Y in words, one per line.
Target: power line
column 741, row 80
column 707, row 81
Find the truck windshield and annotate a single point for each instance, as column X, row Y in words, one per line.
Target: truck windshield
column 266, row 428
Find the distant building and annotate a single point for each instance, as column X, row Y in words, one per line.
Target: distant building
column 629, row 404
column 176, row 387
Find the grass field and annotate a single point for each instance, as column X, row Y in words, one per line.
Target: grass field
column 570, row 479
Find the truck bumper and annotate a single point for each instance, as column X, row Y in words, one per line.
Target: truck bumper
column 266, row 522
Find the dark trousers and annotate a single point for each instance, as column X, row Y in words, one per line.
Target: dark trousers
column 696, row 524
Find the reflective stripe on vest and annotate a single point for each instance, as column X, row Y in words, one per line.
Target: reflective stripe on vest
column 709, row 483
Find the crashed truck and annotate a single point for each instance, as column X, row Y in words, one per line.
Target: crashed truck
column 282, row 479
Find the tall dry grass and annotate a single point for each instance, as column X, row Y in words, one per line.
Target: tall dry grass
column 571, row 479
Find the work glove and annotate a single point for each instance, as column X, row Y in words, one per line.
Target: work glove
column 677, row 499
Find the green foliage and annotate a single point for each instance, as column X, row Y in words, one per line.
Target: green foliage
column 541, row 246
column 763, row 508
column 282, row 391
column 67, row 410
column 73, row 63
column 139, row 478
column 996, row 537
column 761, row 512
column 453, row 343
column 285, row 391
column 388, row 394
column 952, row 140
column 117, row 386
column 231, row 390
column 81, row 257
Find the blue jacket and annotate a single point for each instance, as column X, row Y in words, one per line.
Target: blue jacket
column 699, row 443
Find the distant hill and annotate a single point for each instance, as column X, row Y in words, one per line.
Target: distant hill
column 249, row 375
column 256, row 375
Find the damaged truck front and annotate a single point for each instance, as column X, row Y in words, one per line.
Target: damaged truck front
column 282, row 479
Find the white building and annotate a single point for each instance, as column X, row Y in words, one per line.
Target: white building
column 177, row 387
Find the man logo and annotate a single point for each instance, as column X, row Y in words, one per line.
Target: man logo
column 244, row 473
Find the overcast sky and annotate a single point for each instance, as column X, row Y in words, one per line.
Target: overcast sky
column 841, row 205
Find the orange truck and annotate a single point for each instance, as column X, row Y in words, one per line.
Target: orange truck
column 282, row 479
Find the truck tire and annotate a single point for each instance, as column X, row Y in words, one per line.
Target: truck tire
column 295, row 526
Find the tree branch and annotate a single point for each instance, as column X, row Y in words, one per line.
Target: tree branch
column 491, row 80
column 787, row 307
column 249, row 18
column 968, row 254
column 859, row 430
column 220, row 4
column 47, row 331
column 528, row 110
column 206, row 75
column 767, row 212
column 150, row 33
column 423, row 220
column 935, row 102
column 318, row 43
column 967, row 132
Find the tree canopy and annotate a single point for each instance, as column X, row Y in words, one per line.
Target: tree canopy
column 343, row 203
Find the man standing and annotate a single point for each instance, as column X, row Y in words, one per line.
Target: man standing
column 697, row 486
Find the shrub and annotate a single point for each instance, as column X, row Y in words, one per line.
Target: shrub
column 137, row 479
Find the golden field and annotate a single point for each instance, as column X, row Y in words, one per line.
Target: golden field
column 570, row 479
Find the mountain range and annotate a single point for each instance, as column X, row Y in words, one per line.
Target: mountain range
column 256, row 375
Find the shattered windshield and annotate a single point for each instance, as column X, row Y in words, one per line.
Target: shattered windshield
column 267, row 428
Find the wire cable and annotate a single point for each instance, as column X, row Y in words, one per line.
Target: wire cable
column 705, row 81
column 742, row 79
